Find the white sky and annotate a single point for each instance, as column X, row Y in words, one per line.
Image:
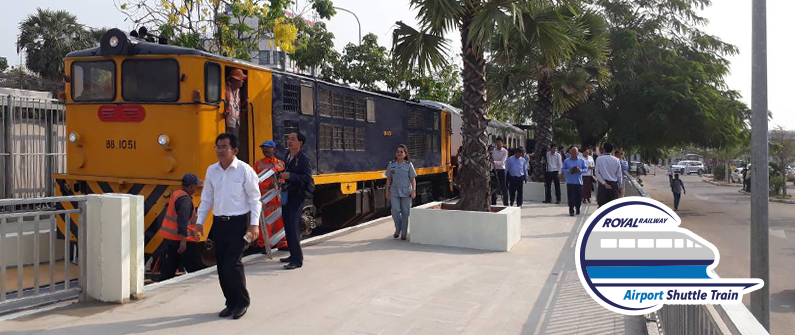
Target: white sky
column 729, row 19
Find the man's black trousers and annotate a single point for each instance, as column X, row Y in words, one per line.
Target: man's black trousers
column 228, row 235
column 604, row 195
column 574, row 193
column 500, row 188
column 516, row 189
column 549, row 177
column 171, row 260
column 291, row 213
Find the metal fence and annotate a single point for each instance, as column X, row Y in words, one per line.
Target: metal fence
column 32, row 146
column 35, row 266
column 698, row 319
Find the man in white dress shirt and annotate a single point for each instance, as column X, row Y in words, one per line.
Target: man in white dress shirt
column 498, row 158
column 554, row 164
column 232, row 192
column 608, row 173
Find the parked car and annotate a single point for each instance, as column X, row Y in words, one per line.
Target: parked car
column 736, row 175
column 638, row 168
column 689, row 167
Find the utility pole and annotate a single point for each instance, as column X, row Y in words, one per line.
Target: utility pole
column 760, row 248
column 357, row 21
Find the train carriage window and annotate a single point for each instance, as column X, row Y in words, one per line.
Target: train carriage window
column 324, row 103
column 361, row 109
column 150, row 80
column 337, row 106
column 307, row 100
column 349, row 138
column 337, row 138
column 370, row 110
column 93, row 81
column 325, row 136
column 435, row 125
column 360, row 136
column 350, row 107
column 212, row 82
column 292, row 97
column 289, row 127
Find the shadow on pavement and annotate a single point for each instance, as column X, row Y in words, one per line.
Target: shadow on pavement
column 128, row 327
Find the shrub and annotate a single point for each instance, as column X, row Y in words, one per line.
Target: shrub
column 719, row 172
column 776, row 184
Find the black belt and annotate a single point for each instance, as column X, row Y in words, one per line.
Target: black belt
column 227, row 217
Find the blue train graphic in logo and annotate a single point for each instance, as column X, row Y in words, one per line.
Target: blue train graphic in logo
column 633, row 258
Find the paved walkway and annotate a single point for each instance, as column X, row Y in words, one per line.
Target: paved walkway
column 368, row 283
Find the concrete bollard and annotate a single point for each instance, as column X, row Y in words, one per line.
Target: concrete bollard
column 137, row 245
column 108, row 247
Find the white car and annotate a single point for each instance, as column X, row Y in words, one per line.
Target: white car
column 689, row 167
column 736, row 175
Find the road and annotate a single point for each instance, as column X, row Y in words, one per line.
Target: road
column 722, row 215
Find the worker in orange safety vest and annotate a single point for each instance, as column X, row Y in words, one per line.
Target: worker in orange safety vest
column 179, row 230
column 270, row 162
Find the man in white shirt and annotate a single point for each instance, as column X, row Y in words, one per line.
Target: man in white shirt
column 498, row 157
column 553, row 166
column 232, row 192
column 608, row 173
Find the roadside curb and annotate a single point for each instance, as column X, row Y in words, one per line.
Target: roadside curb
column 781, row 201
column 720, row 184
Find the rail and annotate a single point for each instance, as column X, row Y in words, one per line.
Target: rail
column 32, row 145
column 37, row 264
column 698, row 319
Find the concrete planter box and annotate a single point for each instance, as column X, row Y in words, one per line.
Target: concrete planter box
column 534, row 191
column 433, row 224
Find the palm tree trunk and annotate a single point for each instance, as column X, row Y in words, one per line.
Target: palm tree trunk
column 543, row 121
column 474, row 180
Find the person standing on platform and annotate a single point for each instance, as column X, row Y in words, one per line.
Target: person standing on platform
column 231, row 191
column 554, row 163
column 573, row 168
column 270, row 162
column 179, row 231
column 587, row 176
column 499, row 156
column 677, row 187
column 298, row 181
column 401, row 188
column 624, row 168
column 516, row 169
column 608, row 173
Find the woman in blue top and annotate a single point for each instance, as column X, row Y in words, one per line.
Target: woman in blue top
column 401, row 187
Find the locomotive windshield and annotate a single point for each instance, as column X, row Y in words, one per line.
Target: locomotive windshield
column 152, row 80
column 93, row 81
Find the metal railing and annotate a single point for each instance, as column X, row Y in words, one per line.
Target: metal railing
column 698, row 319
column 36, row 265
column 32, row 145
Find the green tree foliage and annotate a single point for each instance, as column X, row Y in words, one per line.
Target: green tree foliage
column 782, row 152
column 667, row 87
column 365, row 66
column 315, row 48
column 231, row 28
column 47, row 36
column 3, row 64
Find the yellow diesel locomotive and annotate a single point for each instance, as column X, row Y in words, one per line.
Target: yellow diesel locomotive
column 139, row 115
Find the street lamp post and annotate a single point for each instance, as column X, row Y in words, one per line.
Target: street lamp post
column 760, row 249
column 357, row 21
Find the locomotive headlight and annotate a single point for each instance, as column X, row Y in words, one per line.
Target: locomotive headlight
column 163, row 139
column 74, row 137
column 114, row 41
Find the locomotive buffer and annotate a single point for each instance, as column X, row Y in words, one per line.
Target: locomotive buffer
column 265, row 221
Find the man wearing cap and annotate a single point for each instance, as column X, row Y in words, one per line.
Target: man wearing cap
column 179, row 230
column 270, row 162
column 232, row 111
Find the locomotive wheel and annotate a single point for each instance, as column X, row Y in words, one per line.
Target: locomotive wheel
column 308, row 222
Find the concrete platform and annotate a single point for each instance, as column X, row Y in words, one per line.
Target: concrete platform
column 368, row 283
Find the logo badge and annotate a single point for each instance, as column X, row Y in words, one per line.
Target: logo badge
column 632, row 258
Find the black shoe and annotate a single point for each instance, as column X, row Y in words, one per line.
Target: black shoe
column 578, row 211
column 239, row 312
column 403, row 238
column 546, row 202
column 557, row 202
column 292, row 266
column 225, row 313
column 285, row 260
column 571, row 213
column 395, row 235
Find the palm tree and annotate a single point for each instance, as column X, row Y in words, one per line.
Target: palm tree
column 561, row 53
column 47, row 36
column 477, row 21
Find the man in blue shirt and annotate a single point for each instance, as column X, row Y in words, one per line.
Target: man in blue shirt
column 516, row 171
column 573, row 167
